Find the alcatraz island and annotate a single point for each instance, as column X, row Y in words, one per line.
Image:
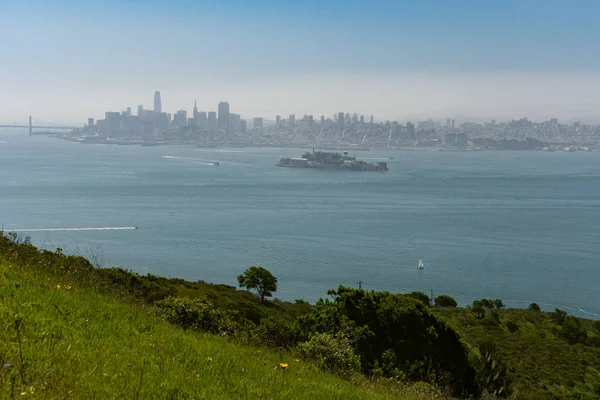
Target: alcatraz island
column 331, row 161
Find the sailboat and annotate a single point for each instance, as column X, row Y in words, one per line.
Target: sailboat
column 420, row 264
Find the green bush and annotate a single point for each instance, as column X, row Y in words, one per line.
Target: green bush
column 444, row 300
column 558, row 316
column 197, row 314
column 512, row 326
column 573, row 331
column 422, row 297
column 331, row 352
column 275, row 332
column 534, row 307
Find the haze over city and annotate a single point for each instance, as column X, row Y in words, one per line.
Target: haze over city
column 393, row 60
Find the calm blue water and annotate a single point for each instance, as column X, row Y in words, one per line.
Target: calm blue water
column 520, row 226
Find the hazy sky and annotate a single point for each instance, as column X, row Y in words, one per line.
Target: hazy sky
column 67, row 60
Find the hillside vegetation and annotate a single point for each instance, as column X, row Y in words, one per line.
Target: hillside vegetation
column 61, row 338
column 68, row 328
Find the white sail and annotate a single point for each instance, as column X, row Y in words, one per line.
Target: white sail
column 420, row 265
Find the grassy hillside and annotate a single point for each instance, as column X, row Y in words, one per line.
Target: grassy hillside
column 58, row 339
column 543, row 357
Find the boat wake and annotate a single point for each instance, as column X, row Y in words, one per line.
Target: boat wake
column 191, row 160
column 107, row 228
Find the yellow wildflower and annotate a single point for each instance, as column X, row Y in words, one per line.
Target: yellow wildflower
column 58, row 286
column 283, row 365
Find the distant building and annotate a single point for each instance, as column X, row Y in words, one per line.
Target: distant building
column 428, row 125
column 410, row 128
column 311, row 121
column 453, row 123
column 223, row 116
column 243, row 127
column 212, row 121
column 90, row 121
column 258, row 123
column 448, row 122
column 278, row 121
column 292, row 120
column 140, row 111
column 340, row 120
column 202, row 118
column 157, row 102
column 181, row 118
column 195, row 115
column 322, row 120
column 235, row 123
column 362, row 119
column 113, row 124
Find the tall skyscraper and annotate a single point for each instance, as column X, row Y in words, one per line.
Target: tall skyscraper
column 223, row 115
column 157, row 105
column 195, row 115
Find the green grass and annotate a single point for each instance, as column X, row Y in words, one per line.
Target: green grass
column 84, row 344
column 543, row 364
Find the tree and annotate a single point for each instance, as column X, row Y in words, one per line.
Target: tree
column 498, row 304
column 260, row 279
column 534, row 307
column 421, row 297
column 444, row 300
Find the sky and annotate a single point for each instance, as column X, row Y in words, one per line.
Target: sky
column 63, row 61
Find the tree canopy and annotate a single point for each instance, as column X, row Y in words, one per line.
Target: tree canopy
column 260, row 279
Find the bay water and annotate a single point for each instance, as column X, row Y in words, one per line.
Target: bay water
column 520, row 226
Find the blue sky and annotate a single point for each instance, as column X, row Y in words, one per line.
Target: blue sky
column 272, row 56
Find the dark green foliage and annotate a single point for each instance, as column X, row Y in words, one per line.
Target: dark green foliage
column 558, row 316
column 275, row 332
column 422, row 297
column 493, row 374
column 196, row 314
column 332, row 352
column 444, row 300
column 512, row 326
column 260, row 279
column 498, row 304
column 541, row 364
column 534, row 307
column 572, row 330
column 379, row 323
column 596, row 327
column 478, row 309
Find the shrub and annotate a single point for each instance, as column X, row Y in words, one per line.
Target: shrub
column 572, row 330
column 331, row 352
column 275, row 332
column 445, row 301
column 558, row 316
column 512, row 326
column 197, row 314
column 422, row 297
column 534, row 307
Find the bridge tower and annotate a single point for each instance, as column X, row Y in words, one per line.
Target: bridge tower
column 30, row 129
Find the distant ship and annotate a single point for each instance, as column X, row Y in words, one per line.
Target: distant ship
column 420, row 264
column 332, row 161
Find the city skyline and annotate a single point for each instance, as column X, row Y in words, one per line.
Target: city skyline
column 395, row 60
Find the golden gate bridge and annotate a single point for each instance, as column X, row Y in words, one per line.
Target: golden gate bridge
column 38, row 125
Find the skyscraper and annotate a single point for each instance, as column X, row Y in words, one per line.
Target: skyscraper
column 223, row 115
column 340, row 120
column 157, row 105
